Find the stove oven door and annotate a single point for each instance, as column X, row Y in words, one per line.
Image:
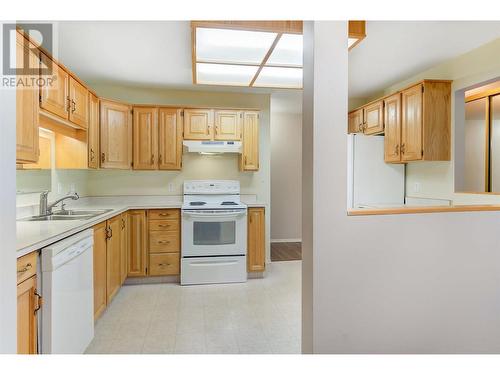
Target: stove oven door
column 214, row 232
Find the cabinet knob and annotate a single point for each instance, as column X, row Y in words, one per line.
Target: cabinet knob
column 152, row 159
column 159, row 159
column 103, row 157
column 92, row 154
column 396, row 150
column 73, row 106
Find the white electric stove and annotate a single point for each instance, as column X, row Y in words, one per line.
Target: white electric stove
column 214, row 233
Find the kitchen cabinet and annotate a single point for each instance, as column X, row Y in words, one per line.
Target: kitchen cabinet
column 170, row 123
column 100, row 268
column 113, row 261
column 392, row 139
column 115, row 135
column 137, row 256
column 124, row 246
column 26, row 108
column 28, row 303
column 78, row 103
column 373, row 118
column 164, row 242
column 145, row 138
column 198, row 124
column 227, row 125
column 93, row 133
column 355, row 121
column 411, row 129
column 249, row 159
column 256, row 253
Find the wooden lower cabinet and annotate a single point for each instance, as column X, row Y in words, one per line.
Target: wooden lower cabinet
column 164, row 242
column 124, row 246
column 28, row 303
column 100, row 259
column 256, row 252
column 167, row 264
column 137, row 254
column 113, row 255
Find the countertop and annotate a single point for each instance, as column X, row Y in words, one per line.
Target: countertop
column 420, row 209
column 34, row 235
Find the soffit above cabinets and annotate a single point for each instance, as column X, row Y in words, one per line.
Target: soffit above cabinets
column 266, row 54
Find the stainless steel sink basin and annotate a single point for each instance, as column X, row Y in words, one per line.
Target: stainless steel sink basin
column 68, row 215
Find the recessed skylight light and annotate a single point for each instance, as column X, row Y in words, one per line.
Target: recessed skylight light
column 223, row 74
column 288, row 51
column 279, row 77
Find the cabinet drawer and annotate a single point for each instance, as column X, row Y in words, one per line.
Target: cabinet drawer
column 163, row 264
column 164, row 225
column 172, row 213
column 164, row 242
column 26, row 266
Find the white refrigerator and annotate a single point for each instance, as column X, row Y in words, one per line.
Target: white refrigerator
column 371, row 181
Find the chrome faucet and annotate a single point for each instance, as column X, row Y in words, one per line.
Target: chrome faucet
column 46, row 208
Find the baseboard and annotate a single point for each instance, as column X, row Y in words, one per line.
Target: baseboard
column 152, row 280
column 286, row 240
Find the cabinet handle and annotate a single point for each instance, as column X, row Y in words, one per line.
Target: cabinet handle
column 402, row 148
column 152, row 159
column 68, row 105
column 26, row 268
column 38, row 302
column 73, row 109
column 103, row 157
column 163, row 225
column 396, row 150
column 163, row 242
column 159, row 159
column 123, row 223
column 163, row 214
column 92, row 154
column 208, row 129
column 109, row 233
column 163, row 264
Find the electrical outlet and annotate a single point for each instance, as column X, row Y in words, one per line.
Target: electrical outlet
column 416, row 187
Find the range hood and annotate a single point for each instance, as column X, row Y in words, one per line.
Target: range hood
column 212, row 147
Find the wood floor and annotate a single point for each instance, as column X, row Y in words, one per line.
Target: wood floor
column 282, row 251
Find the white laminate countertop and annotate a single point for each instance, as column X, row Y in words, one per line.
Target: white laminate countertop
column 34, row 235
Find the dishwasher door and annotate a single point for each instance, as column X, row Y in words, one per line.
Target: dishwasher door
column 67, row 285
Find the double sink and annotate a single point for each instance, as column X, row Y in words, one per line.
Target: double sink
column 68, row 215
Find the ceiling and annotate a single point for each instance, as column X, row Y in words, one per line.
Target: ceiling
column 158, row 54
column 396, row 50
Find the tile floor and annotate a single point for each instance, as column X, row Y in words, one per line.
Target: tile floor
column 260, row 316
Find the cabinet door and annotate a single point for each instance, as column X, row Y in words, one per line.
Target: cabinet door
column 198, row 124
column 256, row 258
column 26, row 109
column 26, row 317
column 78, row 103
column 100, row 234
column 411, row 124
column 54, row 97
column 392, row 118
column 355, row 121
column 124, row 248
column 116, row 135
column 113, row 252
column 145, row 138
column 249, row 159
column 227, row 125
column 137, row 243
column 374, row 117
column 93, row 133
column 170, row 139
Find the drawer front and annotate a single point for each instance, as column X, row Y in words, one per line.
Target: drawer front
column 172, row 213
column 26, row 267
column 164, row 264
column 164, row 225
column 164, row 242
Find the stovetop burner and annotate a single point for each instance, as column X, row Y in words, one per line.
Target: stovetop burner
column 229, row 203
column 197, row 203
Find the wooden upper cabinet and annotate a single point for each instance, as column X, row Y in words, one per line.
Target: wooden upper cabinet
column 392, row 139
column 355, row 121
column 113, row 253
column 170, row 139
column 374, row 118
column 198, row 124
column 78, row 103
column 93, row 132
column 137, row 256
column 100, row 260
column 116, row 135
column 54, row 98
column 26, row 109
column 256, row 258
column 227, row 125
column 145, row 138
column 249, row 159
column 411, row 124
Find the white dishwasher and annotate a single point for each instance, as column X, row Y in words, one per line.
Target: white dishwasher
column 68, row 293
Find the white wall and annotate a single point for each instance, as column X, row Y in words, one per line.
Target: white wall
column 7, row 217
column 425, row 283
column 286, row 166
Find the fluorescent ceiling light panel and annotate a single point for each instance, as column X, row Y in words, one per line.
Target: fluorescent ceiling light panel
column 288, row 51
column 279, row 77
column 232, row 46
column 222, row 74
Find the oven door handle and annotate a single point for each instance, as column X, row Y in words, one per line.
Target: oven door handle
column 214, row 214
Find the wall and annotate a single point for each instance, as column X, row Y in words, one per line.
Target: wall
column 425, row 283
column 7, row 217
column 437, row 179
column 286, row 166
